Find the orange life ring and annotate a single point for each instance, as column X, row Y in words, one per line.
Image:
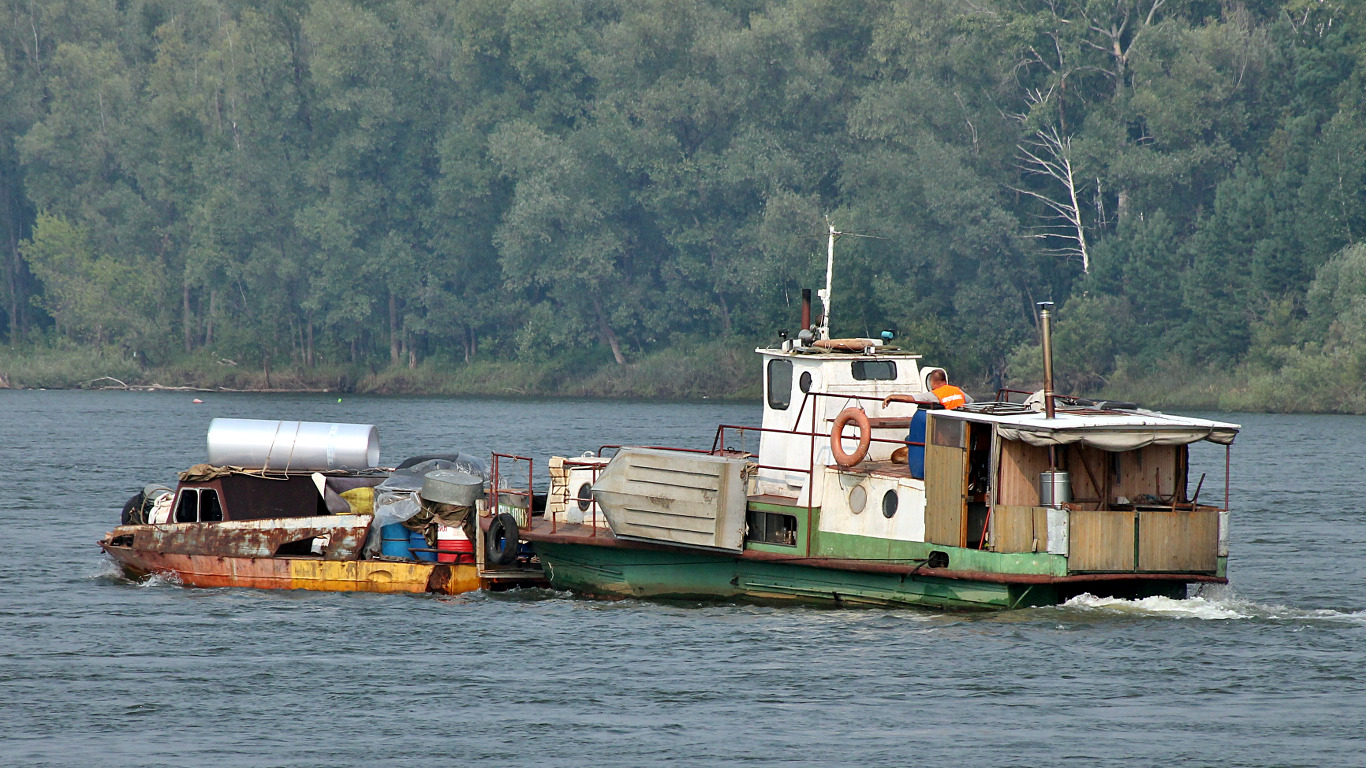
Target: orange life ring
column 865, row 438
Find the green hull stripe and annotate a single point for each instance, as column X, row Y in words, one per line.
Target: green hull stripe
column 843, row 545
column 611, row 571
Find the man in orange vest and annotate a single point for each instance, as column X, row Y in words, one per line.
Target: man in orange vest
column 949, row 396
column 946, row 394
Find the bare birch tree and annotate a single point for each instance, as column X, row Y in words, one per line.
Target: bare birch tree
column 1049, row 154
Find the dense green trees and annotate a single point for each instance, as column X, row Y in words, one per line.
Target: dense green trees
column 323, row 181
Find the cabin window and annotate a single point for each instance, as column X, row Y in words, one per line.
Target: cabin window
column 858, row 499
column 804, row 383
column 948, row 433
column 874, row 370
column 772, row 528
column 187, row 510
column 198, row 505
column 210, row 511
column 779, row 384
column 889, row 504
column 585, row 497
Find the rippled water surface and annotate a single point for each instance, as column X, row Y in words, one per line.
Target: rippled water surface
column 95, row 670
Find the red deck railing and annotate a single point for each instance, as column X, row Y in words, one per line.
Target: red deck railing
column 807, row 411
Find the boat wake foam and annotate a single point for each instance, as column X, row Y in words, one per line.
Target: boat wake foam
column 1220, row 605
column 108, row 571
column 160, row 580
column 1190, row 608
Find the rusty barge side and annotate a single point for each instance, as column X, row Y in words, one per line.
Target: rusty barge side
column 277, row 554
column 299, row 572
column 232, row 528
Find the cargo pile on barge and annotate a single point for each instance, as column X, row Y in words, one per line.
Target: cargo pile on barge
column 299, row 505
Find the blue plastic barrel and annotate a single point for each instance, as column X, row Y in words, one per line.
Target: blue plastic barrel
column 417, row 541
column 393, row 541
column 915, row 455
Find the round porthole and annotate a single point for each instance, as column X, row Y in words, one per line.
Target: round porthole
column 585, row 496
column 858, row 499
column 805, row 382
column 889, row 503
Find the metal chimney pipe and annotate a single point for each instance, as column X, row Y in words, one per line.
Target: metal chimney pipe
column 806, row 309
column 1046, row 324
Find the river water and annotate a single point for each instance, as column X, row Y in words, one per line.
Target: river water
column 96, row 670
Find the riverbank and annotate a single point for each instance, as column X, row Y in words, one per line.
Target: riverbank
column 711, row 370
column 714, row 370
column 1307, row 384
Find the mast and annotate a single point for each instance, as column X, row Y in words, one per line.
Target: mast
column 824, row 331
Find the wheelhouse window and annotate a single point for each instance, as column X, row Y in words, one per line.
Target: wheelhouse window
column 948, row 433
column 771, row 528
column 779, row 384
column 187, row 509
column 198, row 505
column 874, row 370
column 210, row 511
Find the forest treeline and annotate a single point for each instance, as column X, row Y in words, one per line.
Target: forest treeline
column 391, row 182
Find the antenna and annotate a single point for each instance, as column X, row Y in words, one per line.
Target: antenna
column 824, row 331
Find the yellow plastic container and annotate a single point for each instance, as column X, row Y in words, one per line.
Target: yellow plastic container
column 362, row 500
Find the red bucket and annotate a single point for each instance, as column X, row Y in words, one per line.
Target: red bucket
column 452, row 546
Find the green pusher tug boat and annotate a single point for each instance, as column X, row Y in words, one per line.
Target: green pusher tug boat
column 1024, row 501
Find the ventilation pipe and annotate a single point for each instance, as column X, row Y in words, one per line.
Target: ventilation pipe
column 1055, row 485
column 1046, row 324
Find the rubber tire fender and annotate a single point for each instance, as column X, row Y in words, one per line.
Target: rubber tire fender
column 501, row 540
column 865, row 439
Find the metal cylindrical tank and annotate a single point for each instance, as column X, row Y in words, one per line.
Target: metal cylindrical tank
column 417, row 544
column 394, row 541
column 915, row 444
column 1055, row 488
column 453, row 546
column 451, row 486
column 294, row 445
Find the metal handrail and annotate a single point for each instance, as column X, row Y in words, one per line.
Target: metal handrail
column 496, row 476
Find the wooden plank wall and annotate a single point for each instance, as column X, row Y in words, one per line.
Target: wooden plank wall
column 1101, row 540
column 1148, row 470
column 1018, row 476
column 1087, row 467
column 1181, row 540
column 1019, row 529
column 945, row 478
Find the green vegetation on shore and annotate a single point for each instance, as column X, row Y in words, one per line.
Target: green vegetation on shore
column 586, row 196
column 714, row 370
column 703, row 370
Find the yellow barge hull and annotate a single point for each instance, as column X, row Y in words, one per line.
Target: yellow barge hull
column 301, row 572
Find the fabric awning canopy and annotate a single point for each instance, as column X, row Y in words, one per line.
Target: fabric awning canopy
column 1109, row 430
column 1119, row 439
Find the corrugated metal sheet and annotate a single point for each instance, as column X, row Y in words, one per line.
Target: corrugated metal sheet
column 673, row 497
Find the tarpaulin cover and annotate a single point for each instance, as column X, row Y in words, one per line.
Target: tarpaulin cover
column 396, row 499
column 202, row 473
column 1119, row 440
